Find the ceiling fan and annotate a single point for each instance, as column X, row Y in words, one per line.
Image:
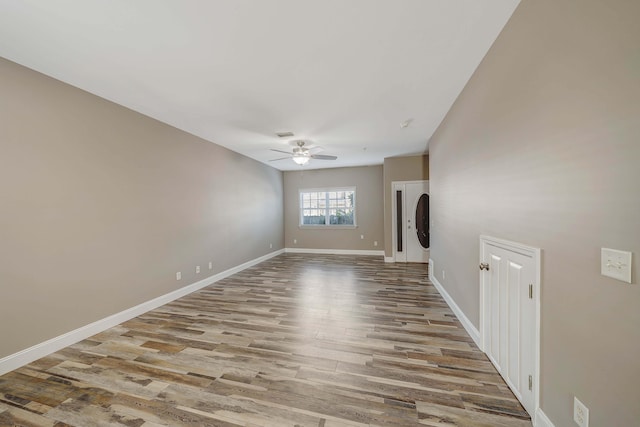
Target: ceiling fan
column 301, row 154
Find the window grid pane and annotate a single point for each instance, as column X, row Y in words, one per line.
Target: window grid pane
column 327, row 207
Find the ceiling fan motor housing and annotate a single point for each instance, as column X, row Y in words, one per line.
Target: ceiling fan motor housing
column 302, row 154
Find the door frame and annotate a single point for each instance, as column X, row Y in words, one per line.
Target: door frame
column 535, row 254
column 400, row 256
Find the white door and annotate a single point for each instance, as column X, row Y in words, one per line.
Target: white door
column 411, row 221
column 509, row 281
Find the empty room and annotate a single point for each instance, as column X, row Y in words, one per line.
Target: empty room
column 319, row 213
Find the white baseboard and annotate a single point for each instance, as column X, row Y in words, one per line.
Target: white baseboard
column 542, row 420
column 26, row 356
column 389, row 259
column 333, row 251
column 468, row 326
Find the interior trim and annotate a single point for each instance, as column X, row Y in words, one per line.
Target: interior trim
column 28, row 355
column 468, row 326
column 541, row 419
column 334, row 251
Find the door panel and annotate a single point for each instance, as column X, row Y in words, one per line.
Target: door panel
column 514, row 307
column 414, row 193
column 410, row 207
column 495, row 315
column 508, row 322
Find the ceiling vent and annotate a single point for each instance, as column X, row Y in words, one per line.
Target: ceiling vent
column 284, row 134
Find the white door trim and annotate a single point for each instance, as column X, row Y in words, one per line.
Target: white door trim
column 534, row 253
column 396, row 256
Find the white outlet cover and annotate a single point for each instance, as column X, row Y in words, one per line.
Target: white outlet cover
column 210, row 265
column 616, row 264
column 580, row 413
column 178, row 276
column 197, row 269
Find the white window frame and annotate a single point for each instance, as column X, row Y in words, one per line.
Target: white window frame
column 326, row 190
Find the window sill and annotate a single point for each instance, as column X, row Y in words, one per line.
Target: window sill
column 327, row 227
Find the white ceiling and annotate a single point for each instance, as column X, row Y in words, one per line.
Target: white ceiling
column 343, row 74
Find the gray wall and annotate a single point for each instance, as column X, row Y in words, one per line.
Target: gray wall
column 101, row 206
column 369, row 213
column 542, row 147
column 408, row 168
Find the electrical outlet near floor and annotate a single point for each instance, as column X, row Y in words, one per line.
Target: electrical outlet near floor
column 580, row 413
column 210, row 265
column 178, row 276
column 443, row 275
column 197, row 269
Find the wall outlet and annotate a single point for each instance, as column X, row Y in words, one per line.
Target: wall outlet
column 362, row 237
column 580, row 413
column 197, row 269
column 375, row 243
column 178, row 276
column 295, row 241
column 443, row 275
column 210, row 265
column 270, row 245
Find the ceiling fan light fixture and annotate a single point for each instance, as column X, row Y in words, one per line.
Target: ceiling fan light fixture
column 301, row 160
column 301, row 154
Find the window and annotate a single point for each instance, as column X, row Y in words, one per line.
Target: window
column 330, row 207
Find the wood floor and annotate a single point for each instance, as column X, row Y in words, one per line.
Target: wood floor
column 300, row 340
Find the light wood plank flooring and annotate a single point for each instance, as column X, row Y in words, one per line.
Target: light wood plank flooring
column 299, row 340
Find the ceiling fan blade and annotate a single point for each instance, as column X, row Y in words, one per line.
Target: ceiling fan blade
column 280, row 151
column 281, row 158
column 323, row 157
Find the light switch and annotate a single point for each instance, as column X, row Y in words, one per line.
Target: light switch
column 616, row 264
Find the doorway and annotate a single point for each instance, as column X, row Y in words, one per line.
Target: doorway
column 410, row 218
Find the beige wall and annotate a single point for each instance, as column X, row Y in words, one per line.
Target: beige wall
column 101, row 206
column 368, row 183
column 409, row 168
column 542, row 147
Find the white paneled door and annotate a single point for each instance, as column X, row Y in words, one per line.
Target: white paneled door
column 510, row 281
column 411, row 221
